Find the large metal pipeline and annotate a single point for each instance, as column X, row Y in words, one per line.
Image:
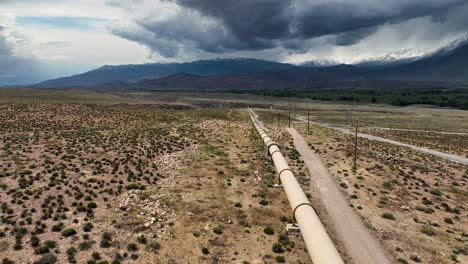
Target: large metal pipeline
column 319, row 245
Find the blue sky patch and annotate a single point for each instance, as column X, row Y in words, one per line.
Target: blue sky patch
column 60, row 22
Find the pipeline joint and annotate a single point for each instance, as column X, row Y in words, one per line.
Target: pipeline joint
column 299, row 205
column 283, row 170
column 268, row 145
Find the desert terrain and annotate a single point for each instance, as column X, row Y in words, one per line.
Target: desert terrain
column 137, row 178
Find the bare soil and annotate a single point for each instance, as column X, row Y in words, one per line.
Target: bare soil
column 138, row 185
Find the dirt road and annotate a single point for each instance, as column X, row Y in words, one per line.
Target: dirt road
column 444, row 155
column 359, row 243
column 419, row 131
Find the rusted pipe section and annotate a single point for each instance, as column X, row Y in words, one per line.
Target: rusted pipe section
column 319, row 245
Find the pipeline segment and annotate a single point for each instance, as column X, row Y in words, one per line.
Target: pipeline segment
column 319, row 245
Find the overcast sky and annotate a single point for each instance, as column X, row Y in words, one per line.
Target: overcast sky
column 41, row 39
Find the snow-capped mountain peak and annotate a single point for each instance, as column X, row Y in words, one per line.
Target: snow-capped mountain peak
column 319, row 63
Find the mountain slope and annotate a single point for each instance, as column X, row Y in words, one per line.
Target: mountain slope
column 319, row 63
column 447, row 64
column 296, row 77
column 391, row 59
column 134, row 73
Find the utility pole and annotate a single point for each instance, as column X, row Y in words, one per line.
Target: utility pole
column 289, row 118
column 272, row 115
column 356, row 146
column 308, row 122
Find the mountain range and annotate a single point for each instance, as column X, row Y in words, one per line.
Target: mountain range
column 448, row 64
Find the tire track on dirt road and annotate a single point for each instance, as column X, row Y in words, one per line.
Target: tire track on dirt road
column 357, row 239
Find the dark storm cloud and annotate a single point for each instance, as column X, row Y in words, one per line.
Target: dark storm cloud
column 246, row 19
column 324, row 18
column 249, row 25
column 351, row 37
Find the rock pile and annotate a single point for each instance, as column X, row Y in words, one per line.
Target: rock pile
column 170, row 165
column 149, row 205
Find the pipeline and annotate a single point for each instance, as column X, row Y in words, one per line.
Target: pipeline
column 319, row 245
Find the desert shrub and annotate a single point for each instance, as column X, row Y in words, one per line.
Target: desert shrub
column 268, row 230
column 7, row 261
column 96, row 256
column 46, row 259
column 41, row 250
column 402, row 260
column 132, row 247
column 71, row 252
column 35, row 241
column 58, row 227
column 142, row 239
column 68, row 232
column 205, row 251
column 17, row 245
column 218, row 229
column 426, row 210
column 117, row 259
column 388, row 216
column 280, row 259
column 87, row 227
column 153, row 245
column 106, row 239
column 453, row 257
column 263, row 202
column 277, row 248
column 448, row 220
column 135, row 186
column 50, row 243
column 284, row 239
column 429, row 231
column 85, row 245
column 92, row 205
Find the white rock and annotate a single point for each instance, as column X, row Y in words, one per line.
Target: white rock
column 406, row 208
